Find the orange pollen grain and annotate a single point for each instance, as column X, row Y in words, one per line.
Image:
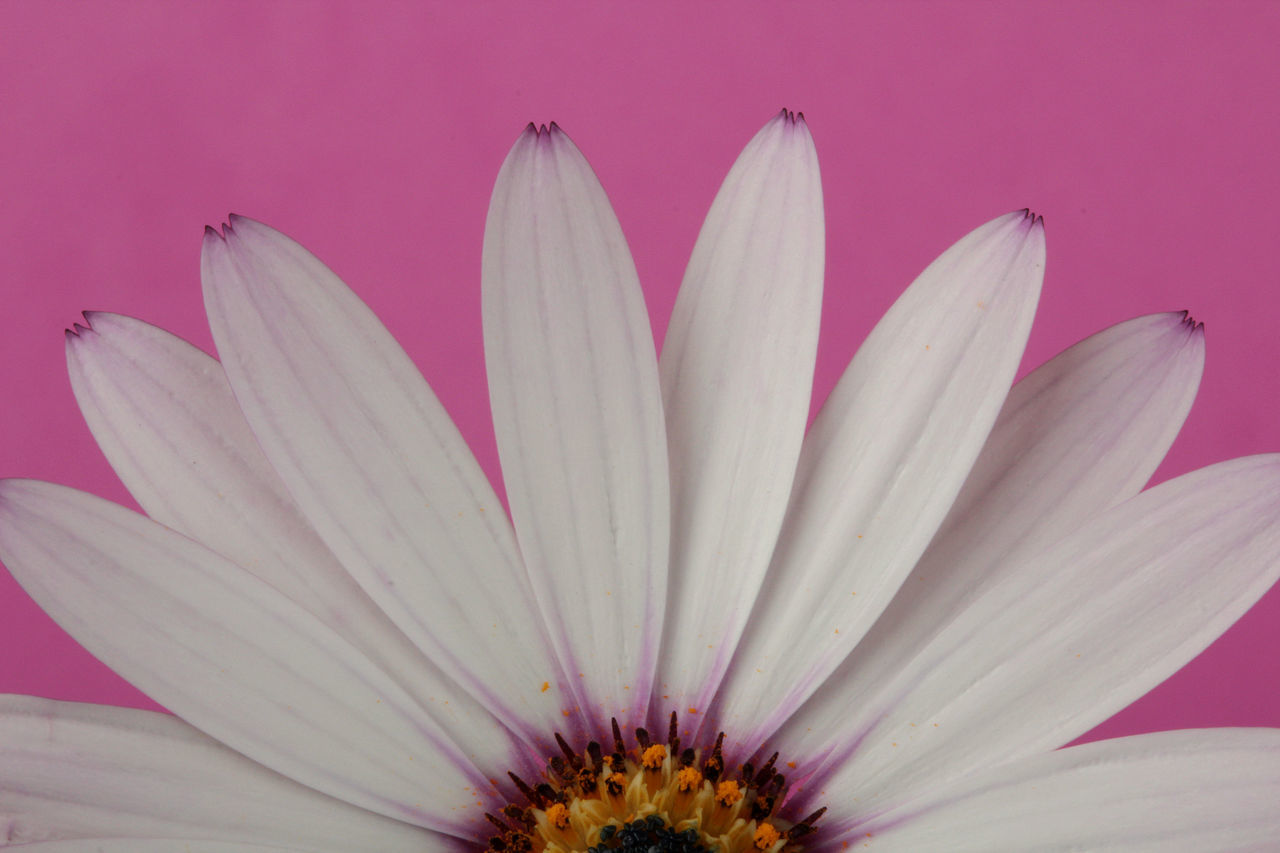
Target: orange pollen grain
column 728, row 793
column 688, row 779
column 558, row 816
column 616, row 784
column 653, row 757
column 766, row 836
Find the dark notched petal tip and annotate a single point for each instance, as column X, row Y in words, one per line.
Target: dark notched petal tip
column 534, row 132
column 79, row 330
column 227, row 228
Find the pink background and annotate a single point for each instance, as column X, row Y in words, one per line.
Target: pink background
column 1145, row 133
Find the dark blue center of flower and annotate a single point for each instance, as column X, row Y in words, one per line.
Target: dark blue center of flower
column 648, row 835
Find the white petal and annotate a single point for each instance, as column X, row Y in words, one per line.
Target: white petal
column 737, row 369
column 232, row 656
column 158, row 845
column 164, row 415
column 1079, row 435
column 1172, row 792
column 578, row 416
column 377, row 467
column 91, row 771
column 883, row 463
column 1040, row 655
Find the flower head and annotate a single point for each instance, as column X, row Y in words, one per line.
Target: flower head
column 702, row 627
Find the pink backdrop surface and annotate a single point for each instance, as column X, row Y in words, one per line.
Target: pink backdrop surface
column 1146, row 134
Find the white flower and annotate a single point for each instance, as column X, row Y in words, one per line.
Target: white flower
column 915, row 603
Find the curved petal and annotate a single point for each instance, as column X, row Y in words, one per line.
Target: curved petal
column 1038, row 657
column 578, row 416
column 92, row 771
column 233, row 656
column 153, row 845
column 1078, row 435
column 377, row 467
column 1196, row 791
column 165, row 417
column 737, row 369
column 882, row 464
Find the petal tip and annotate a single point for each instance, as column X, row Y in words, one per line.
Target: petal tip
column 78, row 331
column 790, row 118
column 1029, row 218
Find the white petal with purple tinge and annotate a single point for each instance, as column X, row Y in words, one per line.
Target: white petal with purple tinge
column 1078, row 435
column 1042, row 654
column 737, row 369
column 578, row 416
column 882, row 464
column 161, row 845
column 164, row 415
column 377, row 467
column 233, row 656
column 1197, row 791
column 93, row 771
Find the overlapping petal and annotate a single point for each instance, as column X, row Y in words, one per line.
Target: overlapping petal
column 233, row 656
column 737, row 369
column 1078, row 435
column 578, row 416
column 165, row 417
column 74, row 771
column 883, row 462
column 1038, row 657
column 1197, row 791
column 151, row 845
column 378, row 469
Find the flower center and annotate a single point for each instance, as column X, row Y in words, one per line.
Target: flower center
column 655, row 796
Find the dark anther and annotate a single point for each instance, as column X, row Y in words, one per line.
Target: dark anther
column 748, row 772
column 518, row 816
column 497, row 845
column 766, row 773
column 642, row 737
column 762, row 807
column 687, row 758
column 714, row 765
column 586, row 780
column 575, row 760
column 557, row 765
column 614, row 787
column 519, row 843
column 496, row 821
column 549, row 795
column 673, row 733
column 805, row 826
column 618, row 746
column 524, row 789
column 597, row 754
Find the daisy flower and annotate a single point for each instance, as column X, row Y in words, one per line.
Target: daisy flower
column 700, row 627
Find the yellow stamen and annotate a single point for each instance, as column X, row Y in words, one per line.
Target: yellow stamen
column 558, row 816
column 616, row 784
column 658, row 791
column 688, row 779
column 728, row 793
column 766, row 836
column 653, row 757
